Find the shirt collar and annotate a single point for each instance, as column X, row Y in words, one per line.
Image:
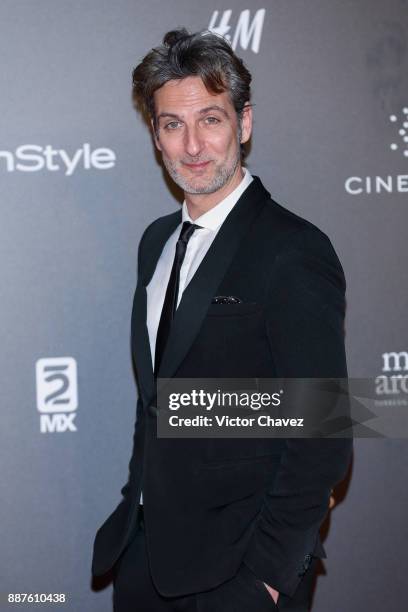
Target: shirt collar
column 214, row 217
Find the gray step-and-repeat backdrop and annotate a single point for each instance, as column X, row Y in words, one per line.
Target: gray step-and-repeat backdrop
column 80, row 182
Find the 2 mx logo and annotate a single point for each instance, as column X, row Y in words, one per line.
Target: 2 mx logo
column 57, row 393
column 246, row 32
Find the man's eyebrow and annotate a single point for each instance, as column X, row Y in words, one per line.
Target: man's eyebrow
column 202, row 111
column 165, row 114
column 212, row 108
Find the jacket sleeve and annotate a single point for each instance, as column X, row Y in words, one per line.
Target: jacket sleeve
column 136, row 446
column 305, row 329
column 136, row 456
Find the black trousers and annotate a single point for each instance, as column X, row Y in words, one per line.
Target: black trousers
column 134, row 591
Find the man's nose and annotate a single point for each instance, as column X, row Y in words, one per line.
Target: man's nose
column 193, row 143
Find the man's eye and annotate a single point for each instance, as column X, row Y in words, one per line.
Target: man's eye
column 172, row 125
column 212, row 120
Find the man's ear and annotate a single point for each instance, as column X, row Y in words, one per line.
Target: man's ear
column 246, row 122
column 156, row 140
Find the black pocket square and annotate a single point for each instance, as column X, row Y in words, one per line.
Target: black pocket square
column 226, row 299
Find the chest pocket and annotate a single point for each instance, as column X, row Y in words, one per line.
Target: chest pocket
column 234, row 310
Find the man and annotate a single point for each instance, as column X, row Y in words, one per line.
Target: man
column 231, row 286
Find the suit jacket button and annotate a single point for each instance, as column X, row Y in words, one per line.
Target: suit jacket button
column 307, row 561
column 152, row 410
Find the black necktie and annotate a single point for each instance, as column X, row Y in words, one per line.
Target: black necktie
column 170, row 299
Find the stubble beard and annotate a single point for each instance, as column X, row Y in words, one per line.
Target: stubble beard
column 222, row 174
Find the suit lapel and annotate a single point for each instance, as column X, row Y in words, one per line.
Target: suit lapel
column 203, row 286
column 198, row 294
column 139, row 333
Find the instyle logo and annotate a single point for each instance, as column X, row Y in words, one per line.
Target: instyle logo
column 57, row 393
column 247, row 32
column 386, row 183
column 392, row 385
column 35, row 158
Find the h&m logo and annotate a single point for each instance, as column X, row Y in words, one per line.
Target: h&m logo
column 246, row 32
column 57, row 393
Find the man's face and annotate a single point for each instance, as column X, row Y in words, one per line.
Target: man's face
column 199, row 135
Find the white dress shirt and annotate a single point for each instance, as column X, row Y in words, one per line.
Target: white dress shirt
column 197, row 248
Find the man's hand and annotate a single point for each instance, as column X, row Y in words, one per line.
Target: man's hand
column 274, row 594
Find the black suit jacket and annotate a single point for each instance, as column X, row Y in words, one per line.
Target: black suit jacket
column 212, row 504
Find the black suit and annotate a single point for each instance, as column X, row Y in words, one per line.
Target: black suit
column 213, row 504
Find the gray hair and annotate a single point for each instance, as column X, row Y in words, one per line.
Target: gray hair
column 203, row 54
